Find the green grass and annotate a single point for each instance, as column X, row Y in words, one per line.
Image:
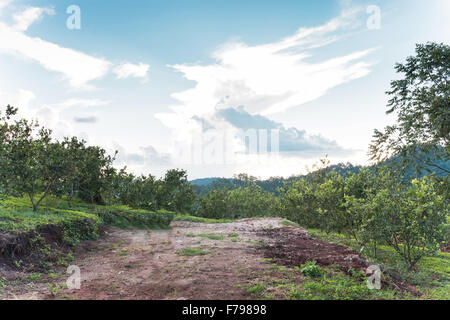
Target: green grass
column 257, row 289
column 289, row 223
column 189, row 252
column 431, row 275
column 189, row 218
column 18, row 217
column 212, row 236
column 79, row 221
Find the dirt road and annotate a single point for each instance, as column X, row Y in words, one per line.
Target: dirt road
column 189, row 261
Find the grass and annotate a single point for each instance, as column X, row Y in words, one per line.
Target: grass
column 431, row 275
column 18, row 217
column 189, row 252
column 326, row 284
column 257, row 289
column 289, row 223
column 189, row 218
column 212, row 236
column 79, row 221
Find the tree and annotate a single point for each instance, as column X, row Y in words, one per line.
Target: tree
column 96, row 168
column 421, row 100
column 175, row 193
column 412, row 220
column 30, row 162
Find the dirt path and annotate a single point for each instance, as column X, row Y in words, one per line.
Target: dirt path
column 147, row 264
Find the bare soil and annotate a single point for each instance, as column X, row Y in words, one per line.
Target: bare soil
column 147, row 264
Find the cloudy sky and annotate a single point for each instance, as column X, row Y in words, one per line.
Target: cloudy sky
column 214, row 87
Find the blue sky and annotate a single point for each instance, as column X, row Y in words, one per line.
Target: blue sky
column 150, row 78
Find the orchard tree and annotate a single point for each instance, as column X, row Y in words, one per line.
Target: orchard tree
column 30, row 162
column 421, row 101
column 175, row 193
column 96, row 168
column 412, row 221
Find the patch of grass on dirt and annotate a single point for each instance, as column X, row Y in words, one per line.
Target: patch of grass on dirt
column 431, row 276
column 311, row 269
column 338, row 286
column 189, row 218
column 289, row 223
column 212, row 236
column 233, row 235
column 189, row 252
column 257, row 289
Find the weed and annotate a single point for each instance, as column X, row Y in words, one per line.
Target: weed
column 311, row 269
column 192, row 252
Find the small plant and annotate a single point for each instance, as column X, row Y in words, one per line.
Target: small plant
column 311, row 269
column 257, row 290
column 189, row 252
column 212, row 236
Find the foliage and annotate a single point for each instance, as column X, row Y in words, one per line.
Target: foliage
column 311, row 269
column 421, row 100
column 242, row 202
column 189, row 252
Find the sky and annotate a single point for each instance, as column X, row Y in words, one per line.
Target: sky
column 214, row 87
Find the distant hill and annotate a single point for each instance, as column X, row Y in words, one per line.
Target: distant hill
column 205, row 181
column 204, row 186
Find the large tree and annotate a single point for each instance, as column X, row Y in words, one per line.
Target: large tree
column 421, row 101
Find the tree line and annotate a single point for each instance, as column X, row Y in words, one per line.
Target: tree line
column 35, row 165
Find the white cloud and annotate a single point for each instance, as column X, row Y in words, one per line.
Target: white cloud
column 74, row 102
column 77, row 67
column 29, row 16
column 127, row 70
column 265, row 79
column 3, row 4
column 274, row 77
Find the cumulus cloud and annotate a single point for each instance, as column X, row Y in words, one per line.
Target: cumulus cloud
column 266, row 79
column 26, row 18
column 130, row 70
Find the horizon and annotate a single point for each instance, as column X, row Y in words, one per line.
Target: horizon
column 217, row 89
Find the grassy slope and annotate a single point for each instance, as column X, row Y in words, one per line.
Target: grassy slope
column 431, row 276
column 80, row 221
